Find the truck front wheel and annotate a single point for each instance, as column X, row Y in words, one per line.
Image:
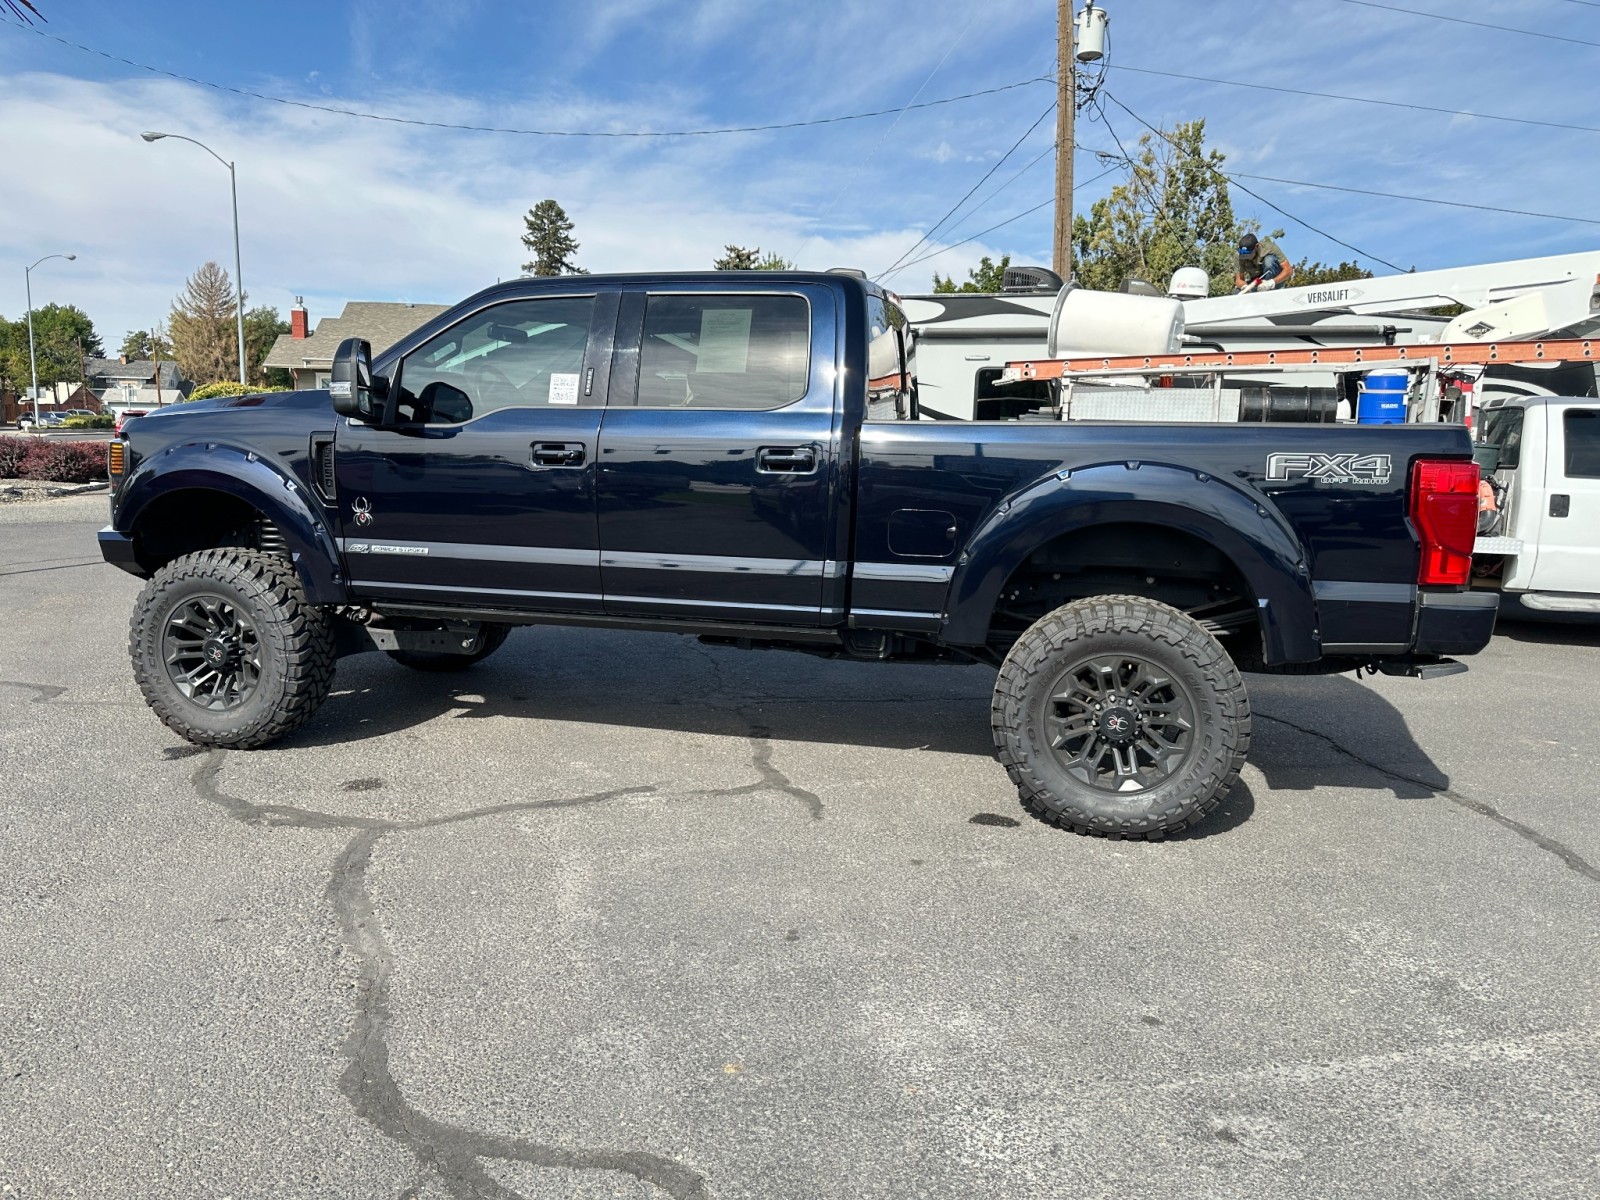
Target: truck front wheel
column 227, row 651
column 1121, row 717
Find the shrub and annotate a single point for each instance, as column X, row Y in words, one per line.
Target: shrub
column 13, row 450
column 210, row 391
column 98, row 421
column 58, row 462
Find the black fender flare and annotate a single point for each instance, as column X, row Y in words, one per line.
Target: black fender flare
column 258, row 482
column 1243, row 526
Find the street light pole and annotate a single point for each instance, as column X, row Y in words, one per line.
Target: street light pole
column 33, row 363
column 238, row 270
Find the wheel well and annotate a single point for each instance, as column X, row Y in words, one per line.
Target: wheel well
column 192, row 519
column 1129, row 558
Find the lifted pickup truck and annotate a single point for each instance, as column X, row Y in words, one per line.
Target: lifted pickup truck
column 733, row 456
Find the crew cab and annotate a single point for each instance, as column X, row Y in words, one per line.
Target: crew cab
column 735, row 456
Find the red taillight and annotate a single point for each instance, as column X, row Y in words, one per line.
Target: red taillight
column 1444, row 508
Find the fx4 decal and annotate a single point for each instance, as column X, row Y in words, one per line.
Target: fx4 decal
column 1369, row 469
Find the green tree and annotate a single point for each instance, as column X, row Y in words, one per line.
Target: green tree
column 140, row 344
column 987, row 276
column 1309, row 274
column 744, row 258
column 63, row 336
column 548, row 235
column 262, row 327
column 204, row 338
column 1173, row 211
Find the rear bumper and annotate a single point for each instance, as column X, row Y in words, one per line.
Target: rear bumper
column 117, row 549
column 1455, row 622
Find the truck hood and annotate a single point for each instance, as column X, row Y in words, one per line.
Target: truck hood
column 202, row 409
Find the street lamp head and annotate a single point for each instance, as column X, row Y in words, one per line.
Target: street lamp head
column 150, row 136
column 70, row 257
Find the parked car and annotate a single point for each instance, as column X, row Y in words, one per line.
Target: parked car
column 1541, row 547
column 52, row 420
column 25, row 420
column 69, row 413
column 124, row 415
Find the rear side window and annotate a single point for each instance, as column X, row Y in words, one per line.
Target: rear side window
column 1503, row 427
column 1580, row 430
column 724, row 351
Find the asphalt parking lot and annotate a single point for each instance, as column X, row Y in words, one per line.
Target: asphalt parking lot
column 624, row 915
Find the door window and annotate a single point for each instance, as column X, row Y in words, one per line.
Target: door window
column 525, row 354
column 1580, row 430
column 1503, row 427
column 724, row 351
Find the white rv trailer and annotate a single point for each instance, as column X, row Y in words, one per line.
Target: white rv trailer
column 965, row 339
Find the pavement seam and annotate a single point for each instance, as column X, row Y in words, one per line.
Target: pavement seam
column 452, row 1154
column 1570, row 857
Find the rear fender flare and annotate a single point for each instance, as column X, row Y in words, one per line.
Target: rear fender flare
column 260, row 483
column 1251, row 533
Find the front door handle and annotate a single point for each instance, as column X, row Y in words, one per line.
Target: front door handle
column 786, row 460
column 558, row 454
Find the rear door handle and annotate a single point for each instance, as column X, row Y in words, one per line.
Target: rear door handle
column 786, row 460
column 558, row 454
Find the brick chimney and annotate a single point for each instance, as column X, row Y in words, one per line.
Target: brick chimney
column 298, row 320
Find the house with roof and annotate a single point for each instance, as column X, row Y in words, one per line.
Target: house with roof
column 137, row 383
column 308, row 355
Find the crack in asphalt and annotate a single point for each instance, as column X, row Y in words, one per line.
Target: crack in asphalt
column 772, row 779
column 49, row 693
column 453, row 1155
column 1570, row 857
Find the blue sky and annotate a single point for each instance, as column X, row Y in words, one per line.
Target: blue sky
column 336, row 208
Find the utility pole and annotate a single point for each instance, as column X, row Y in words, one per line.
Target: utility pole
column 1066, row 107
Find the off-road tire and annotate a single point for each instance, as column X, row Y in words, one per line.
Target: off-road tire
column 295, row 640
column 1162, row 636
column 494, row 636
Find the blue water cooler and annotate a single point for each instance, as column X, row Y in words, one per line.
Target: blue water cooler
column 1383, row 398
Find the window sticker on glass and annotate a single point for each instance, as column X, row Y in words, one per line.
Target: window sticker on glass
column 563, row 387
column 724, row 341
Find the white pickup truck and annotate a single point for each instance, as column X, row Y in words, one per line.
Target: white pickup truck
column 1543, row 552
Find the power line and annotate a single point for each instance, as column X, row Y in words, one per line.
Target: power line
column 573, row 133
column 893, row 125
column 1283, row 212
column 1026, row 212
column 934, row 228
column 1454, row 112
column 1513, row 212
column 1554, row 37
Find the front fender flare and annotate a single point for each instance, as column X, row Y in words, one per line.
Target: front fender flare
column 1253, row 535
column 259, row 482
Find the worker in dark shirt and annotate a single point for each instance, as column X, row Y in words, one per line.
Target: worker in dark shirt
column 1262, row 266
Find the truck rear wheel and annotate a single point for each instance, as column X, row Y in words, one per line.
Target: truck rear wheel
column 227, row 651
column 494, row 636
column 1121, row 717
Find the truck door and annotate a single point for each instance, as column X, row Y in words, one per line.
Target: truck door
column 482, row 490
column 718, row 468
column 1569, row 522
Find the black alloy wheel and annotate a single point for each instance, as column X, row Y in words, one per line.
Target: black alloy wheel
column 1119, row 723
column 1121, row 717
column 212, row 651
column 226, row 649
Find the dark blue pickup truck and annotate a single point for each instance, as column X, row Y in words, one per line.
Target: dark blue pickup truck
column 737, row 456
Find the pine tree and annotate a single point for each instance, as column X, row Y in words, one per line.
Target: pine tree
column 549, row 236
column 743, row 258
column 204, row 337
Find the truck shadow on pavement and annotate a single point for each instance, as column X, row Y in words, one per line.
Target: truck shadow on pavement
column 1334, row 731
column 1309, row 732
